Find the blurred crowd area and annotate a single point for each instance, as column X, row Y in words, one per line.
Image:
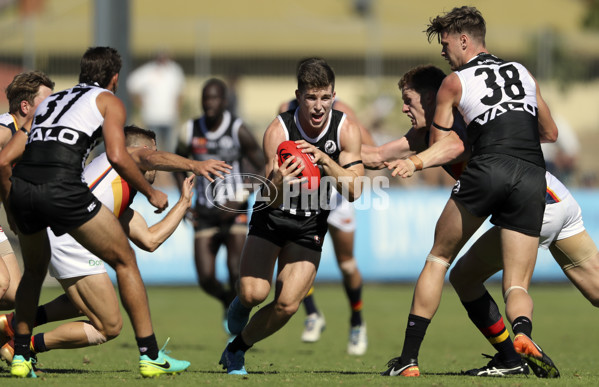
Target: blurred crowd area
column 369, row 43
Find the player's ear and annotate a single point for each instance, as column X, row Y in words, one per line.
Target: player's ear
column 297, row 94
column 25, row 106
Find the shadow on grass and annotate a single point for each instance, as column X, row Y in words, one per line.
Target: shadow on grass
column 63, row 371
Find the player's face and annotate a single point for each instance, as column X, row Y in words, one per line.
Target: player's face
column 213, row 101
column 451, row 49
column 413, row 107
column 42, row 94
column 315, row 106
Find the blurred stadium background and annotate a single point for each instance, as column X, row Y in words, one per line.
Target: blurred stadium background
column 255, row 45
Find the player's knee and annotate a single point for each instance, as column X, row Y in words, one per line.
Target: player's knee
column 112, row 326
column 123, row 259
column 348, row 267
column 286, row 309
column 252, row 294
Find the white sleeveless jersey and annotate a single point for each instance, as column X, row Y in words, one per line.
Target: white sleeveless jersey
column 489, row 87
column 64, row 130
column 70, row 259
column 8, row 120
column 499, row 106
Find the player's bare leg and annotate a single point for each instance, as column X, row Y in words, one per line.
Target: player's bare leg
column 115, row 250
column 36, row 256
column 10, row 276
column 579, row 259
column 94, row 296
column 519, row 252
column 296, row 273
column 258, row 260
column 480, row 262
column 454, row 227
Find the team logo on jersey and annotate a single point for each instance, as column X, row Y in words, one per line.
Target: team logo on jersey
column 456, row 187
column 330, row 147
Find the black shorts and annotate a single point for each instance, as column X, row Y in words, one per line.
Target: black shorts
column 510, row 189
column 61, row 205
column 279, row 228
column 205, row 218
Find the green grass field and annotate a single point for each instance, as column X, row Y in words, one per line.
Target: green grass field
column 565, row 326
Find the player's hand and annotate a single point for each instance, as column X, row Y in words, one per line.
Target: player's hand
column 214, row 167
column 159, row 200
column 187, row 190
column 403, row 168
column 287, row 172
column 318, row 157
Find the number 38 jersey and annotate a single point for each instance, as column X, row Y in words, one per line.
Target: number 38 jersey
column 499, row 105
column 65, row 128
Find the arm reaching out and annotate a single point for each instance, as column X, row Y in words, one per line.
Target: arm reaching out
column 149, row 160
column 150, row 238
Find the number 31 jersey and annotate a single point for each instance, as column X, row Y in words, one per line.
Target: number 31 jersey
column 65, row 128
column 499, row 105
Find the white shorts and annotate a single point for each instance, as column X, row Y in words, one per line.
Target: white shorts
column 2, row 236
column 561, row 220
column 343, row 214
column 70, row 259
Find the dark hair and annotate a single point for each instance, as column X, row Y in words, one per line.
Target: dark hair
column 25, row 87
column 458, row 20
column 134, row 135
column 422, row 79
column 99, row 65
column 216, row 82
column 314, row 73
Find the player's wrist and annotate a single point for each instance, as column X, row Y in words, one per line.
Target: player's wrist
column 417, row 162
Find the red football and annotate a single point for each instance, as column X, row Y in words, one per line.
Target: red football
column 289, row 148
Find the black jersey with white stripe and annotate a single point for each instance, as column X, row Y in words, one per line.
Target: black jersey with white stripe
column 499, row 105
column 65, row 128
column 328, row 142
column 220, row 144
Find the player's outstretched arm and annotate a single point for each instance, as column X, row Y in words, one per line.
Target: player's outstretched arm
column 148, row 160
column 150, row 238
column 374, row 157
